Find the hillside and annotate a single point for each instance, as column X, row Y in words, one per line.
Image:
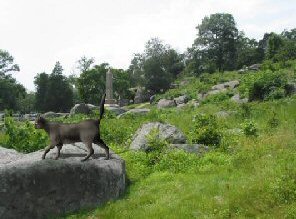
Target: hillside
column 250, row 172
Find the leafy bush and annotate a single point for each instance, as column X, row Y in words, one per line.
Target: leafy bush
column 268, row 85
column 156, row 147
column 24, row 137
column 205, row 130
column 249, row 128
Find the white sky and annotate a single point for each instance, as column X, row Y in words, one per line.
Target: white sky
column 37, row 33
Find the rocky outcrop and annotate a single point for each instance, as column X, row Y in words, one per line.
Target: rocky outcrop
column 163, row 103
column 80, row 109
column 236, row 98
column 229, row 84
column 164, row 131
column 35, row 188
column 218, row 88
column 181, row 99
column 254, row 67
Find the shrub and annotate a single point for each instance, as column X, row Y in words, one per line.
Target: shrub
column 156, row 146
column 24, row 137
column 249, row 128
column 205, row 130
column 269, row 85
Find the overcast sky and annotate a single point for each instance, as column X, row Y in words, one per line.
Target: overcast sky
column 37, row 33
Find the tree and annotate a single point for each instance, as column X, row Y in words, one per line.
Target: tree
column 85, row 63
column 6, row 63
column 121, row 83
column 136, row 70
column 262, row 47
column 41, row 83
column 275, row 42
column 72, row 79
column 10, row 92
column 156, row 67
column 216, row 39
column 91, row 83
column 27, row 104
column 247, row 53
column 53, row 91
column 289, row 35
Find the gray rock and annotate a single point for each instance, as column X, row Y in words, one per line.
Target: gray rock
column 165, row 131
column 174, row 86
column 141, row 95
column 254, row 67
column 201, row 96
column 222, row 114
column 80, row 109
column 243, row 70
column 142, row 111
column 223, row 86
column 50, row 115
column 163, row 103
column 181, row 99
column 194, row 148
column 92, row 107
column 196, row 104
column 116, row 110
column 152, row 98
column 35, row 188
column 183, row 83
column 236, row 98
column 215, row 92
column 231, row 84
column 181, row 105
column 218, row 87
column 123, row 102
column 8, row 155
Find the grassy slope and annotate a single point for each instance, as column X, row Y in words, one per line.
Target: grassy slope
column 247, row 177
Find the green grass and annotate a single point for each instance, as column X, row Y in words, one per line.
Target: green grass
column 250, row 177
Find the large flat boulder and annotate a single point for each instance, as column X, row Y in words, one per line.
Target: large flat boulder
column 35, row 188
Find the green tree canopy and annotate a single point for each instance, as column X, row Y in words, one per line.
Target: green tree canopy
column 91, row 83
column 156, row 67
column 53, row 92
column 7, row 63
column 85, row 63
column 216, row 41
column 10, row 90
